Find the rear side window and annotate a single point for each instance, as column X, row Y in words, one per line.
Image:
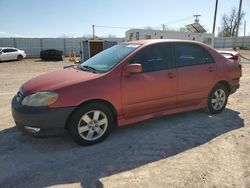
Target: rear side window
column 189, row 54
column 154, row 58
column 12, row 50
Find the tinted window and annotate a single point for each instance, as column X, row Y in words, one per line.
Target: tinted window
column 154, row 58
column 9, row 50
column 5, row 50
column 188, row 54
column 207, row 57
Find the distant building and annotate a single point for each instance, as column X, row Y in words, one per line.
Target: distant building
column 142, row 34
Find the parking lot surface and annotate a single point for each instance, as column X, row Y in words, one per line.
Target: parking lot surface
column 193, row 149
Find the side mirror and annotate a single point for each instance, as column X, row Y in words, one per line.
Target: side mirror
column 133, row 69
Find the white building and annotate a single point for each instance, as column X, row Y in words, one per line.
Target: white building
column 140, row 34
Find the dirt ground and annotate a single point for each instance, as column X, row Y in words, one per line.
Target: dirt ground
column 193, row 149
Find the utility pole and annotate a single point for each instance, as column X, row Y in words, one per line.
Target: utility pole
column 215, row 15
column 238, row 26
column 163, row 27
column 196, row 18
column 244, row 33
column 93, row 26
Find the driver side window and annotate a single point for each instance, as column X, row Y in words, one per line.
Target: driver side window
column 153, row 58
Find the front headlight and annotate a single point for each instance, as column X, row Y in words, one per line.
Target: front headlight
column 43, row 98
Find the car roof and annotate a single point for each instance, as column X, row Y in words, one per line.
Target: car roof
column 155, row 41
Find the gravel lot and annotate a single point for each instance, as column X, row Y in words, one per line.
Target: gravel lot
column 191, row 149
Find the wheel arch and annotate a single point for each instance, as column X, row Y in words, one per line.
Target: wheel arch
column 105, row 102
column 20, row 55
column 226, row 84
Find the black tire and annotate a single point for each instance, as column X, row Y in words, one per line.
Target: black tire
column 19, row 57
column 211, row 105
column 76, row 117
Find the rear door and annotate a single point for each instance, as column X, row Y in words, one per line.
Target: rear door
column 155, row 88
column 196, row 73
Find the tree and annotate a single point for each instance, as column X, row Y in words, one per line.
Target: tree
column 111, row 36
column 229, row 23
column 182, row 29
column 148, row 28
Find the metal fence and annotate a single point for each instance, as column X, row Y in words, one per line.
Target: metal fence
column 33, row 46
column 227, row 42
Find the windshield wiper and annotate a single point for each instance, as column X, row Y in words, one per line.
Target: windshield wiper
column 89, row 68
column 74, row 66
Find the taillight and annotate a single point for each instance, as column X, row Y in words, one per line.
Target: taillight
column 237, row 57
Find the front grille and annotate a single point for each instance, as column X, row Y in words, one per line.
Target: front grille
column 19, row 96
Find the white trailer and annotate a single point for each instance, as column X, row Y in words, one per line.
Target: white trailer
column 142, row 34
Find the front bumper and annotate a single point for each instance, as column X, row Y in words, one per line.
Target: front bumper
column 43, row 118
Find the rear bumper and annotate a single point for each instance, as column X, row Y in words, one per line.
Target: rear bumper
column 44, row 118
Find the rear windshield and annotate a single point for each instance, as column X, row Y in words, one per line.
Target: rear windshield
column 107, row 59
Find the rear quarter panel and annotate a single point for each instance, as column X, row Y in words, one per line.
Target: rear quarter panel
column 227, row 70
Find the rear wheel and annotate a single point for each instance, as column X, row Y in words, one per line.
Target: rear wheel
column 91, row 123
column 19, row 57
column 217, row 99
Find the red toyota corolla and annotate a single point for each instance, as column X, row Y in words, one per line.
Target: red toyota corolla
column 124, row 84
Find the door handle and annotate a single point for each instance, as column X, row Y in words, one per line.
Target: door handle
column 170, row 75
column 210, row 69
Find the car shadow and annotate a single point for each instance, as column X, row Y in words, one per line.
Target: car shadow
column 40, row 60
column 39, row 162
column 8, row 61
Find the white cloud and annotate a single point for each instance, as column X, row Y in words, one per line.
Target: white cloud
column 6, row 35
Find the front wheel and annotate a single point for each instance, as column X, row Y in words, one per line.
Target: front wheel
column 217, row 99
column 91, row 123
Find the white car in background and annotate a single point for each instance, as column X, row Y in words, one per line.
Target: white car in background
column 8, row 53
column 233, row 55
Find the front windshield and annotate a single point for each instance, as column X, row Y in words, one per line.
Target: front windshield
column 107, row 59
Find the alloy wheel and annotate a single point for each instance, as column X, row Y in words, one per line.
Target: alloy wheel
column 218, row 99
column 92, row 125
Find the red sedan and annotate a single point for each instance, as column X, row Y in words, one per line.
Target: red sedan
column 124, row 84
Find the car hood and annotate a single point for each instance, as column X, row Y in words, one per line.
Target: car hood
column 57, row 79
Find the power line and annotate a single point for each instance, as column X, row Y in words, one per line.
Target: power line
column 158, row 26
column 162, row 26
column 179, row 20
column 112, row 27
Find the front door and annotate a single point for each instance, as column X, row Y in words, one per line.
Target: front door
column 155, row 88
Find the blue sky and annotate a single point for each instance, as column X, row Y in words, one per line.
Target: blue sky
column 54, row 18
